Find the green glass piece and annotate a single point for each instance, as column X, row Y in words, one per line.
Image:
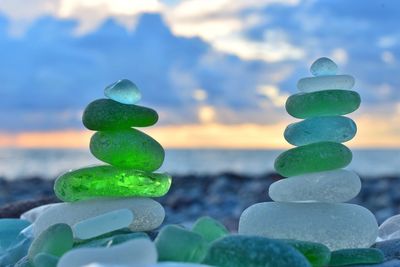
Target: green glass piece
column 55, row 240
column 127, row 148
column 316, row 157
column 109, row 181
column 322, row 103
column 209, row 228
column 109, row 241
column 107, row 114
column 317, row 254
column 174, row 243
column 45, row 260
column 345, row 257
column 254, row 251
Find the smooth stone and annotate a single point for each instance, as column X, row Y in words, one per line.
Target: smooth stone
column 329, row 82
column 9, row 230
column 336, row 225
column 127, row 148
column 55, row 240
column 329, row 186
column 320, row 129
column 45, row 260
column 174, row 243
column 390, row 248
column 137, row 251
column 123, row 91
column 345, row 257
column 389, row 229
column 32, row 214
column 209, row 228
column 253, row 251
column 317, row 254
column 149, row 214
column 107, row 181
column 18, row 249
column 322, row 103
column 323, row 66
column 106, row 114
column 102, row 224
column 316, row 157
column 109, row 241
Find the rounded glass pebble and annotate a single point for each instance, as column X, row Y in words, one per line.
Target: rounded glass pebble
column 356, row 256
column 108, row 181
column 45, row 260
column 9, row 230
column 323, row 66
column 107, row 114
column 322, row 103
column 390, row 229
column 128, row 148
column 317, row 254
column 331, row 82
column 316, row 157
column 123, row 91
column 108, row 241
column 209, row 228
column 329, row 186
column 336, row 225
column 337, row 129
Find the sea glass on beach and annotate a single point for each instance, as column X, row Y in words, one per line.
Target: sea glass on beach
column 329, row 82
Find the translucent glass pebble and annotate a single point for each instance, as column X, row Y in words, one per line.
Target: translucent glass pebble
column 9, row 230
column 106, row 114
column 108, row 181
column 345, row 257
column 329, row 186
column 45, row 260
column 316, row 157
column 148, row 213
column 108, row 241
column 317, row 254
column 18, row 248
column 337, row 129
column 322, row 103
column 390, row 229
column 140, row 251
column 209, row 228
column 128, row 148
column 331, row 82
column 323, row 66
column 336, row 225
column 102, row 224
column 123, row 91
column 254, row 251
column 32, row 214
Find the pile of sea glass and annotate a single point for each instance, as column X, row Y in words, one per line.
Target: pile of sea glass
column 108, row 218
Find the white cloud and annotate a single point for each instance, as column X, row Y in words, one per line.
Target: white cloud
column 273, row 93
column 388, row 57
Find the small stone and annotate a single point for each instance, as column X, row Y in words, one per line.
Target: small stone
column 254, row 251
column 106, row 114
column 123, row 91
column 32, row 214
column 45, row 260
column 322, row 103
column 331, row 82
column 390, row 229
column 323, row 66
column 317, row 254
column 174, row 243
column 316, row 157
column 336, row 225
column 128, row 148
column 109, row 241
column 140, row 251
column 102, row 224
column 345, row 257
column 329, row 186
column 209, row 229
column 319, row 129
column 9, row 230
column 108, row 181
column 148, row 214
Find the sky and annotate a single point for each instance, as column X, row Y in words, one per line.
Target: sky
column 217, row 71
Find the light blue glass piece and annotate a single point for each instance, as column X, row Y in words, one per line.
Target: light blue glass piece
column 45, row 260
column 123, row 91
column 102, row 224
column 9, row 230
column 337, row 129
column 323, row 66
column 18, row 249
column 328, row 82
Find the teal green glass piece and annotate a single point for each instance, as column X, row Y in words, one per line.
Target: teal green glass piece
column 9, row 230
column 109, row 181
column 322, row 103
column 107, row 114
column 18, row 249
column 109, row 241
column 128, row 148
column 175, row 243
column 45, row 260
column 254, row 251
column 209, row 228
column 123, row 91
column 316, row 157
column 323, row 66
column 317, row 254
column 355, row 256
column 319, row 129
column 55, row 240
column 23, row 262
